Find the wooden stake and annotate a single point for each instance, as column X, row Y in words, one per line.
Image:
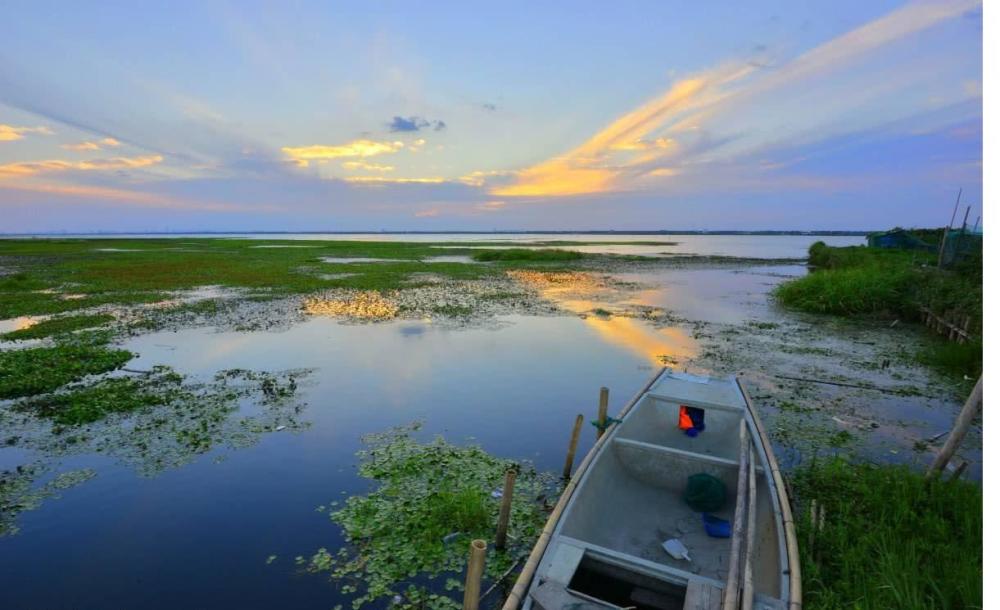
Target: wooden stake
column 962, row 423
column 474, row 574
column 944, row 238
column 571, row 452
column 739, row 523
column 602, row 412
column 508, row 497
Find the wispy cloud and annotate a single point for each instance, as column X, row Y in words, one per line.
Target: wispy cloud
column 126, row 197
column 414, row 123
column 30, row 168
column 9, row 133
column 302, row 155
column 89, row 145
column 718, row 113
column 367, row 167
column 388, row 180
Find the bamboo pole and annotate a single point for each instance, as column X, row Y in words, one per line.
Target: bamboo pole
column 508, row 497
column 520, row 588
column 602, row 412
column 574, row 439
column 962, row 423
column 787, row 517
column 944, row 237
column 474, row 574
column 751, row 532
column 739, row 523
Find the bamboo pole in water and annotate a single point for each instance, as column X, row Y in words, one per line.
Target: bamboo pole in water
column 474, row 574
column 574, row 439
column 965, row 417
column 520, row 588
column 602, row 412
column 508, row 497
column 739, row 523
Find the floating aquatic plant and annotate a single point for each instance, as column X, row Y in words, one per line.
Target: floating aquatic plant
column 409, row 538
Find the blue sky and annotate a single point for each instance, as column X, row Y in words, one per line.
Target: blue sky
column 437, row 116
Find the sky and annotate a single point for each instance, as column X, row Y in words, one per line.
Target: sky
column 328, row 116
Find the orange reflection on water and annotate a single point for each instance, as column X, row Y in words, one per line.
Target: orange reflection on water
column 584, row 293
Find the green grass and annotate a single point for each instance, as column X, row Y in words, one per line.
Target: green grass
column 957, row 359
column 26, row 372
column 94, row 402
column 149, row 269
column 882, row 291
column 895, row 284
column 57, row 326
column 528, row 255
column 890, row 539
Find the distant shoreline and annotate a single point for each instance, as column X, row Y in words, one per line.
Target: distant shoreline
column 563, row 232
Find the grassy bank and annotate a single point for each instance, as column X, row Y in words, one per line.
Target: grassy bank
column 895, row 284
column 889, row 538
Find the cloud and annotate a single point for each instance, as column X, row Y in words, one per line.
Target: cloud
column 30, row 168
column 387, row 180
column 414, row 123
column 738, row 109
column 302, row 155
column 89, row 145
column 126, row 196
column 368, row 167
column 9, row 133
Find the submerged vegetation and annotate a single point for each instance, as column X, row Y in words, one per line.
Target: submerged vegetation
column 409, row 538
column 884, row 537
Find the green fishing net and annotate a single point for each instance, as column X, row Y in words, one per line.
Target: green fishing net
column 705, row 493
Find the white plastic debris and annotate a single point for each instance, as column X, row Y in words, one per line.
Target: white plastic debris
column 676, row 549
column 497, row 493
column 279, row 428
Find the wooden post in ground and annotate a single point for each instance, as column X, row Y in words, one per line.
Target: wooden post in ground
column 602, row 412
column 944, row 238
column 965, row 417
column 571, row 452
column 474, row 574
column 508, row 497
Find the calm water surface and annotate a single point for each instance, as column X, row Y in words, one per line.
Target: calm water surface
column 198, row 536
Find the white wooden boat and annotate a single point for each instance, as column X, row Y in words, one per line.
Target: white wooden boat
column 602, row 546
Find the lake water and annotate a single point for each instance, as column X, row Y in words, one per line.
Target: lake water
column 198, row 535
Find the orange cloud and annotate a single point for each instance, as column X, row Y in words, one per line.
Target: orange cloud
column 302, row 155
column 88, row 145
column 30, row 168
column 9, row 133
column 649, row 141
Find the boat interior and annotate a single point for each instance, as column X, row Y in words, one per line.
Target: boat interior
column 607, row 549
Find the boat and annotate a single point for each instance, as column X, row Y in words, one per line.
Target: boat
column 605, row 543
